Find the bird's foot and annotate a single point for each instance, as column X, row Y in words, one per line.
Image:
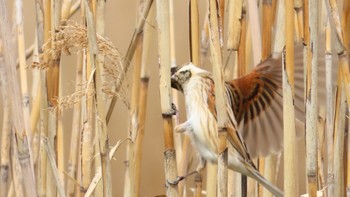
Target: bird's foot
column 180, row 178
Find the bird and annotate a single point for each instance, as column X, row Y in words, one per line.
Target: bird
column 254, row 107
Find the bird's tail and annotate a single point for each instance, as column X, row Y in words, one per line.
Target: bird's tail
column 267, row 184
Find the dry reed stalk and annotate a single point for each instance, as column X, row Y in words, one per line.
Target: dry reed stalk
column 298, row 6
column 242, row 46
column 220, row 102
column 130, row 180
column 255, row 30
column 267, row 22
column 100, row 30
column 35, row 112
column 290, row 165
column 42, row 163
column 194, row 32
column 237, row 184
column 65, row 11
column 312, row 100
column 339, row 137
column 52, row 85
column 235, row 8
column 148, row 36
column 270, row 172
column 330, row 112
column 321, row 147
column 279, row 40
column 20, row 131
column 141, row 117
column 211, row 182
column 252, row 185
column 22, row 63
column 128, row 57
column 5, row 138
column 267, row 166
column 17, row 176
column 242, row 69
column 74, row 144
column 100, row 102
column 88, row 119
column 204, row 39
column 346, row 30
column 132, row 172
column 164, row 51
column 346, row 23
column 51, row 157
column 333, row 15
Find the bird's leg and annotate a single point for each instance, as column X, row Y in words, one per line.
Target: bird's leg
column 199, row 168
column 186, row 126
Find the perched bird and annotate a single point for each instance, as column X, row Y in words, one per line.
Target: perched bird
column 254, row 107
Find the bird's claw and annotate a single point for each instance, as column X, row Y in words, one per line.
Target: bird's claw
column 177, row 180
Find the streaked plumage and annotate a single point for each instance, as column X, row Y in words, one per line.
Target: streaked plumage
column 255, row 109
column 243, row 95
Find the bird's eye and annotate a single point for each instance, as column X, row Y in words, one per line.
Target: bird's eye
column 183, row 72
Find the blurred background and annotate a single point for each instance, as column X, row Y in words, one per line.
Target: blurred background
column 120, row 21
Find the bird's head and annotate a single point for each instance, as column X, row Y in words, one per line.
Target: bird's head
column 181, row 75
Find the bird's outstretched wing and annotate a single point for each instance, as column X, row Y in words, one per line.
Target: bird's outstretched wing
column 257, row 104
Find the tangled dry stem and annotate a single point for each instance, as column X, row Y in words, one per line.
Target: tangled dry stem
column 72, row 38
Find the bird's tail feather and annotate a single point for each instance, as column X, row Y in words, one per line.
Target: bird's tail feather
column 267, row 184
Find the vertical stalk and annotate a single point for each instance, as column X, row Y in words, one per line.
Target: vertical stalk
column 334, row 18
column 20, row 131
column 235, row 8
column 311, row 100
column 330, row 112
column 74, row 144
column 100, row 103
column 17, row 175
column 52, row 79
column 266, row 29
column 194, row 32
column 163, row 19
column 267, row 166
column 321, row 147
column 280, row 38
column 298, row 6
column 290, row 157
column 22, row 63
column 220, row 102
column 242, row 46
column 100, row 29
column 339, row 137
column 5, row 138
column 131, row 184
column 255, row 30
column 148, row 37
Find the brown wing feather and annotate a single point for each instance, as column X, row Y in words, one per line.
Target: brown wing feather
column 256, row 96
column 256, row 89
column 233, row 136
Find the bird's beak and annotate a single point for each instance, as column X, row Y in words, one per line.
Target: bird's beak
column 174, row 82
column 174, row 69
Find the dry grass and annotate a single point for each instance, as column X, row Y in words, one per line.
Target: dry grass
column 32, row 138
column 73, row 38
